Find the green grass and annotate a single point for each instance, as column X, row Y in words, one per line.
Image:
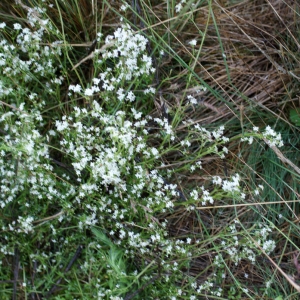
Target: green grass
column 111, row 192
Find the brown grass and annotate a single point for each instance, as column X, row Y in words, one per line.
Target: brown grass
column 261, row 63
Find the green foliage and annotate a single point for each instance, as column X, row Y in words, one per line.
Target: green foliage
column 295, row 116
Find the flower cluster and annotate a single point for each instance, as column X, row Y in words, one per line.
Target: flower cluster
column 179, row 6
column 237, row 249
column 27, row 59
column 270, row 136
column 107, row 148
column 128, row 52
column 25, row 158
column 204, row 197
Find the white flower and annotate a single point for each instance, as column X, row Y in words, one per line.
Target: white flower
column 124, row 7
column 178, row 7
column 233, row 185
column 150, row 90
column 268, row 283
column 269, row 246
column 247, row 139
column 88, row 92
column 272, row 138
column 61, row 125
column 217, row 180
column 193, row 42
column 130, row 96
column 76, row 88
column 191, row 99
column 2, row 25
column 17, row 26
column 225, row 150
column 25, row 224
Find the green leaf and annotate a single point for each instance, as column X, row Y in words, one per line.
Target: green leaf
column 116, row 261
column 295, row 116
column 103, row 238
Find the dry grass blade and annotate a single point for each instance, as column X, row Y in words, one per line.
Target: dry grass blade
column 92, row 55
column 284, row 159
column 289, row 278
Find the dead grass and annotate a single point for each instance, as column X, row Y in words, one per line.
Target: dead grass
column 261, row 68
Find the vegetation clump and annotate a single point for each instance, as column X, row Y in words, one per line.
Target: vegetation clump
column 129, row 173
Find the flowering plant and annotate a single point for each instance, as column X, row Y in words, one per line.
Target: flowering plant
column 87, row 165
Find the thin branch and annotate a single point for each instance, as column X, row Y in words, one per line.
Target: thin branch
column 283, row 158
column 91, row 55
